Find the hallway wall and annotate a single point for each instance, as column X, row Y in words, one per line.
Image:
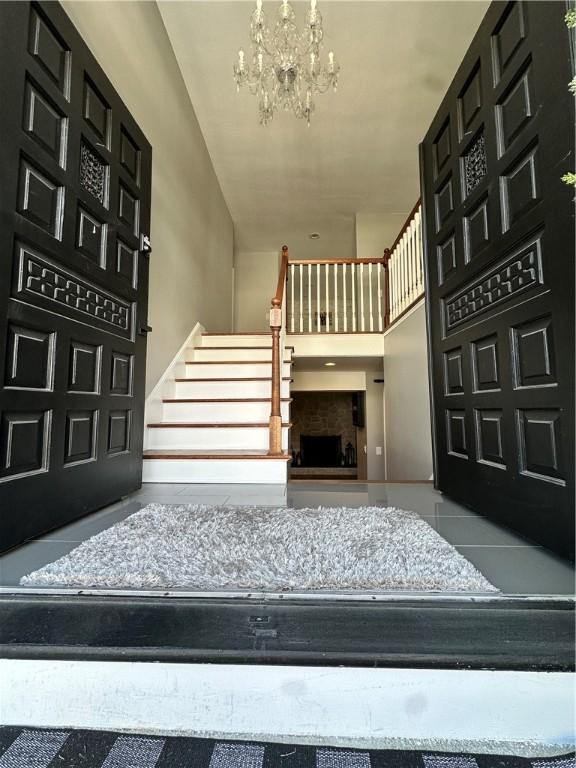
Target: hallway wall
column 406, row 399
column 255, row 278
column 191, row 230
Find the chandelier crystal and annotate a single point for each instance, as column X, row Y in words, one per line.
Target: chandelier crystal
column 285, row 71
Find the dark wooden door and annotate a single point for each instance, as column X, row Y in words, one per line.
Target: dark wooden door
column 74, row 211
column 499, row 244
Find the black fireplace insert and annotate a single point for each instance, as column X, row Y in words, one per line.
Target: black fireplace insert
column 321, row 450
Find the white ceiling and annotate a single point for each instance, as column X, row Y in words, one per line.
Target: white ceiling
column 286, row 180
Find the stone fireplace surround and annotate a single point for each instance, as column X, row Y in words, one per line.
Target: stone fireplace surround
column 322, row 414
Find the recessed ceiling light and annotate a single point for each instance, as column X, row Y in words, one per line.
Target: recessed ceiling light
column 330, row 364
column 314, row 236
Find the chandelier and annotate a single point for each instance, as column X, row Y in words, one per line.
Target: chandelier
column 285, row 71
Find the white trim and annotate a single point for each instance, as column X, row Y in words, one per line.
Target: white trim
column 469, row 710
column 411, row 311
column 153, row 404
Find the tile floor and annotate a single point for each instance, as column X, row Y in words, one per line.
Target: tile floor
column 511, row 563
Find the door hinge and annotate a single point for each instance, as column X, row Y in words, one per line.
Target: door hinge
column 144, row 329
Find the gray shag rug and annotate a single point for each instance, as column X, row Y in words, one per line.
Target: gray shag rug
column 257, row 548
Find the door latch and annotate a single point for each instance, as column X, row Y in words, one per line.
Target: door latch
column 145, row 244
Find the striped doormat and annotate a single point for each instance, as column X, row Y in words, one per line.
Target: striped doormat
column 35, row 748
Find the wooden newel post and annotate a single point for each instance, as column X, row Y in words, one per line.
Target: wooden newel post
column 386, row 259
column 275, row 448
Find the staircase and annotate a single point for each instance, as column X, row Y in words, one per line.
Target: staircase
column 214, row 425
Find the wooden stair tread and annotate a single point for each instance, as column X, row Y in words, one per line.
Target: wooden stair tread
column 267, row 378
column 224, row 400
column 183, row 453
column 211, row 425
column 233, row 362
column 268, row 347
column 286, row 346
column 238, row 333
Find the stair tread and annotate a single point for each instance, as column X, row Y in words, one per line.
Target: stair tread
column 224, row 400
column 211, row 425
column 184, row 453
column 266, row 378
column 238, row 333
column 251, row 347
column 233, row 362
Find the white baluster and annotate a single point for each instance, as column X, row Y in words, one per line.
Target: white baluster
column 391, row 278
column 418, row 222
column 309, row 298
column 380, row 298
column 370, row 292
column 344, row 298
column 292, row 298
column 408, row 267
column 362, row 319
column 414, row 259
column 336, row 319
column 326, row 276
column 405, row 270
column 301, row 301
column 353, row 289
column 394, row 266
column 318, row 326
column 399, row 266
column 407, row 303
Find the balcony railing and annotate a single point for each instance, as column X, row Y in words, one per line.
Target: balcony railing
column 343, row 296
column 405, row 267
column 357, row 295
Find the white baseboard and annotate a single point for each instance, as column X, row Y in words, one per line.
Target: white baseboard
column 153, row 405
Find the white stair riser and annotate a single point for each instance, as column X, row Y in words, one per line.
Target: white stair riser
column 201, row 354
column 232, row 370
column 235, row 389
column 264, row 340
column 220, row 413
column 225, row 471
column 213, row 439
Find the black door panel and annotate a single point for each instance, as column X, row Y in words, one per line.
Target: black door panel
column 499, row 243
column 75, row 175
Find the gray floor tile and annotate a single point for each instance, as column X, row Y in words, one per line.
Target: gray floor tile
column 29, row 558
column 330, row 498
column 522, row 570
column 342, row 488
column 167, row 488
column 474, row 531
column 162, row 498
column 241, row 489
column 508, row 561
column 92, row 524
column 257, row 501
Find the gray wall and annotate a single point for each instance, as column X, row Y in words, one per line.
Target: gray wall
column 406, row 400
column 376, row 469
column 191, row 231
column 255, row 279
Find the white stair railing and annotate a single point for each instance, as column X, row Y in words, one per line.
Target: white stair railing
column 405, row 267
column 357, row 295
column 336, row 296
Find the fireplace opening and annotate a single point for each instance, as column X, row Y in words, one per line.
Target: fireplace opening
column 321, row 450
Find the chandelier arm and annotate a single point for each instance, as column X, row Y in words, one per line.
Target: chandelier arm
column 286, row 69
